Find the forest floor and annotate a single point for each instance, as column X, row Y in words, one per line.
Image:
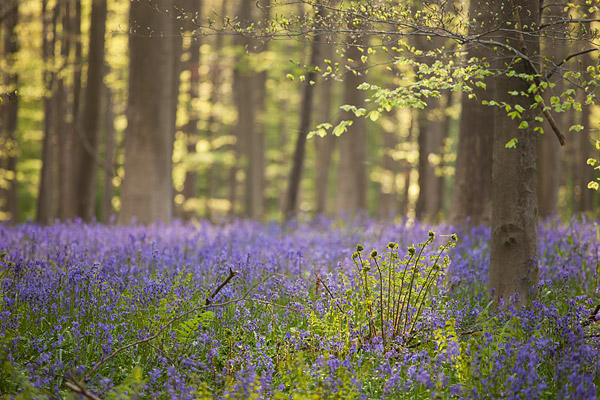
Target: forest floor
column 244, row 310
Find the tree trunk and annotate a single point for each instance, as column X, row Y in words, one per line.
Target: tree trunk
column 109, row 157
column 8, row 121
column 45, row 210
column 306, row 108
column 388, row 190
column 471, row 202
column 323, row 146
column 190, row 184
column 245, row 93
column 514, row 242
column 433, row 128
column 549, row 164
column 585, row 199
column 352, row 176
column 88, row 144
column 257, row 160
column 147, row 185
column 64, row 121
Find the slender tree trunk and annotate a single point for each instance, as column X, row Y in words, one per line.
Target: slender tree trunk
column 388, row 191
column 585, row 174
column 245, row 88
column 64, row 120
column 323, row 146
column 352, row 176
column 45, row 211
column 147, row 186
column 190, row 185
column 88, row 144
column 407, row 167
column 109, row 157
column 432, row 132
column 8, row 120
column 514, row 242
column 257, row 160
column 306, row 108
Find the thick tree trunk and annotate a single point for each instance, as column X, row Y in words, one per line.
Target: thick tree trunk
column 472, row 193
column 471, row 202
column 8, row 120
column 352, row 176
column 549, row 164
column 88, row 141
column 514, row 243
column 147, row 186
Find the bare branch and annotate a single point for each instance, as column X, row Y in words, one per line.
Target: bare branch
column 576, row 54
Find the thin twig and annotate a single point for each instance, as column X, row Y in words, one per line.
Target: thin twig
column 171, row 322
column 330, row 294
column 232, row 273
column 77, row 387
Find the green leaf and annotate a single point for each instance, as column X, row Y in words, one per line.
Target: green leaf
column 290, row 77
column 341, row 128
column 524, row 125
column 576, row 128
column 374, row 115
column 512, row 143
column 359, row 112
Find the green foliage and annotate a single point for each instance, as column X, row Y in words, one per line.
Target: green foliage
column 388, row 297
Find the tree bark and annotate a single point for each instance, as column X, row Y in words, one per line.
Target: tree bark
column 45, row 209
column 306, row 109
column 106, row 207
column 514, row 242
column 190, row 184
column 432, row 132
column 352, row 176
column 64, row 119
column 549, row 165
column 323, row 146
column 388, row 190
column 147, row 185
column 8, row 120
column 88, row 142
column 471, row 202
column 245, row 93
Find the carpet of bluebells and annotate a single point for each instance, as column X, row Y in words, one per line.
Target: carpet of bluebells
column 95, row 311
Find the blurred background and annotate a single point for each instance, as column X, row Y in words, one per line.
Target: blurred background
column 126, row 110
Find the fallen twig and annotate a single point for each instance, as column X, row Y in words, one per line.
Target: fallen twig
column 75, row 386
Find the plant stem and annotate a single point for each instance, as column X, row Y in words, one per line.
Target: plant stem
column 380, row 300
